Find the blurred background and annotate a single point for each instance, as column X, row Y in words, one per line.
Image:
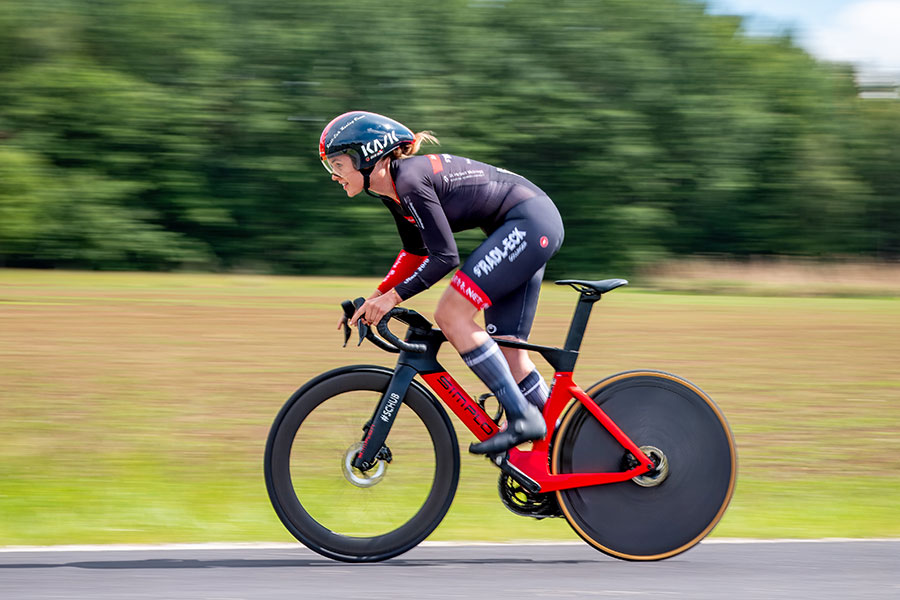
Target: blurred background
column 749, row 160
column 168, row 135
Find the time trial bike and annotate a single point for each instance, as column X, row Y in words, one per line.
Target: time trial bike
column 362, row 462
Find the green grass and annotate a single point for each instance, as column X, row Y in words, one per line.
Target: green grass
column 135, row 407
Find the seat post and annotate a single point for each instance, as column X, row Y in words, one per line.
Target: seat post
column 580, row 320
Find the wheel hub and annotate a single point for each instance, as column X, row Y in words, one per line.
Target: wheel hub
column 362, row 479
column 658, row 474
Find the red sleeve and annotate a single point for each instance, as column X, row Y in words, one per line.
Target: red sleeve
column 405, row 265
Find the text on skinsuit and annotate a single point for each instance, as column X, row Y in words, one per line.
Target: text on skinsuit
column 465, row 403
column 469, row 291
column 417, row 271
column 513, row 244
column 390, row 407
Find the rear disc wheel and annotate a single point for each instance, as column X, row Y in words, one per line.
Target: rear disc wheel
column 670, row 509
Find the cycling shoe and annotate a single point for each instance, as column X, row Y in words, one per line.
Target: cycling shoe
column 527, row 428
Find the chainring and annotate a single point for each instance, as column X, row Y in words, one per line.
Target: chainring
column 524, row 503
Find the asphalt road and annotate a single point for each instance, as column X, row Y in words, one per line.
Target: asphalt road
column 721, row 570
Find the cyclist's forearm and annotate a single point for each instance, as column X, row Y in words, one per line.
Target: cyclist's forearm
column 404, row 266
column 432, row 270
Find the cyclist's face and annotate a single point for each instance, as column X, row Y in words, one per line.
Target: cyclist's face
column 346, row 174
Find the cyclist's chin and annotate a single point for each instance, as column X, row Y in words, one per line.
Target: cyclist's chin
column 353, row 190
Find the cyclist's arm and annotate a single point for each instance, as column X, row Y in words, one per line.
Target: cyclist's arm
column 438, row 239
column 411, row 256
column 410, row 236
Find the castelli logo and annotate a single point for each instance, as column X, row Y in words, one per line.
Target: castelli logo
column 376, row 147
column 544, row 241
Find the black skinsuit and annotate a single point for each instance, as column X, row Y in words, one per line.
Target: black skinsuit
column 441, row 194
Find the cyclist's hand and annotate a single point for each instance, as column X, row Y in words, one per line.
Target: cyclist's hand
column 374, row 309
column 354, row 320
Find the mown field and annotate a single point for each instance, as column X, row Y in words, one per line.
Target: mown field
column 135, row 407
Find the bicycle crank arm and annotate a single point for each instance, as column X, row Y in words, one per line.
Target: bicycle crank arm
column 530, row 485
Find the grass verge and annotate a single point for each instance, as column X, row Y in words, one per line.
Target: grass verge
column 135, row 407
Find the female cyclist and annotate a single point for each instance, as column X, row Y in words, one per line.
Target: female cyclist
column 430, row 197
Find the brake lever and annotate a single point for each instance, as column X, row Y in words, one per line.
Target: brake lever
column 361, row 327
column 346, row 332
column 349, row 309
column 367, row 332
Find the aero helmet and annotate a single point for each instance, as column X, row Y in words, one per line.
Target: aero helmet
column 364, row 136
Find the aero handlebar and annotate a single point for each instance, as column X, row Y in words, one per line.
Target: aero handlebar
column 390, row 343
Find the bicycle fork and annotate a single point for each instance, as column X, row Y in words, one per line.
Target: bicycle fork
column 383, row 417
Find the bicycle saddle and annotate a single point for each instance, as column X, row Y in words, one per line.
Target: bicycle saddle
column 597, row 287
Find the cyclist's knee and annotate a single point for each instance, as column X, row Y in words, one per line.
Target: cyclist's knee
column 452, row 308
column 443, row 315
column 456, row 318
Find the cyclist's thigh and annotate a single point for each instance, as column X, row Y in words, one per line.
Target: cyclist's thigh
column 512, row 254
column 513, row 314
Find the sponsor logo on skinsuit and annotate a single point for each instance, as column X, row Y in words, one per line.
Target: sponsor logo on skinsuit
column 513, row 245
column 469, row 290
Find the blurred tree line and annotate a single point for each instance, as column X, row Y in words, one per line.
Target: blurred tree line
column 182, row 134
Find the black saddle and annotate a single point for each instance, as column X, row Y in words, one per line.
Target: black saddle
column 593, row 288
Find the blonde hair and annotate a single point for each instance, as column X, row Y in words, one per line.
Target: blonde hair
column 407, row 150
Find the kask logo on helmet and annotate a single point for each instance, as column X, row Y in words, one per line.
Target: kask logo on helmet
column 376, row 147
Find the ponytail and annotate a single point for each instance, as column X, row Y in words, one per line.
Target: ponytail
column 407, row 150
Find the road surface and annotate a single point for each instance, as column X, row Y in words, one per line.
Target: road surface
column 716, row 569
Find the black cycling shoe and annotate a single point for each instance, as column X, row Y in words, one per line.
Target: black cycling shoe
column 527, row 428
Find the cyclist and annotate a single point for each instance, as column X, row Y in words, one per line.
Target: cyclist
column 430, row 197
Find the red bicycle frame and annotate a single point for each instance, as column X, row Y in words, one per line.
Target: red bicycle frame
column 418, row 355
column 535, row 463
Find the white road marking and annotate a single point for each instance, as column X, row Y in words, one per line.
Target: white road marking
column 298, row 546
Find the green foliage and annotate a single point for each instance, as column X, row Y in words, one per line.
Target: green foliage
column 164, row 135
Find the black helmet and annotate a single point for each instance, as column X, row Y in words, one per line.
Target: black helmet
column 365, row 137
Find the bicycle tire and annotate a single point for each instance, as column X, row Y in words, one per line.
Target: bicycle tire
column 627, row 520
column 320, row 506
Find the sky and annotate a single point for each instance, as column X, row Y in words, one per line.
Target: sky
column 863, row 32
